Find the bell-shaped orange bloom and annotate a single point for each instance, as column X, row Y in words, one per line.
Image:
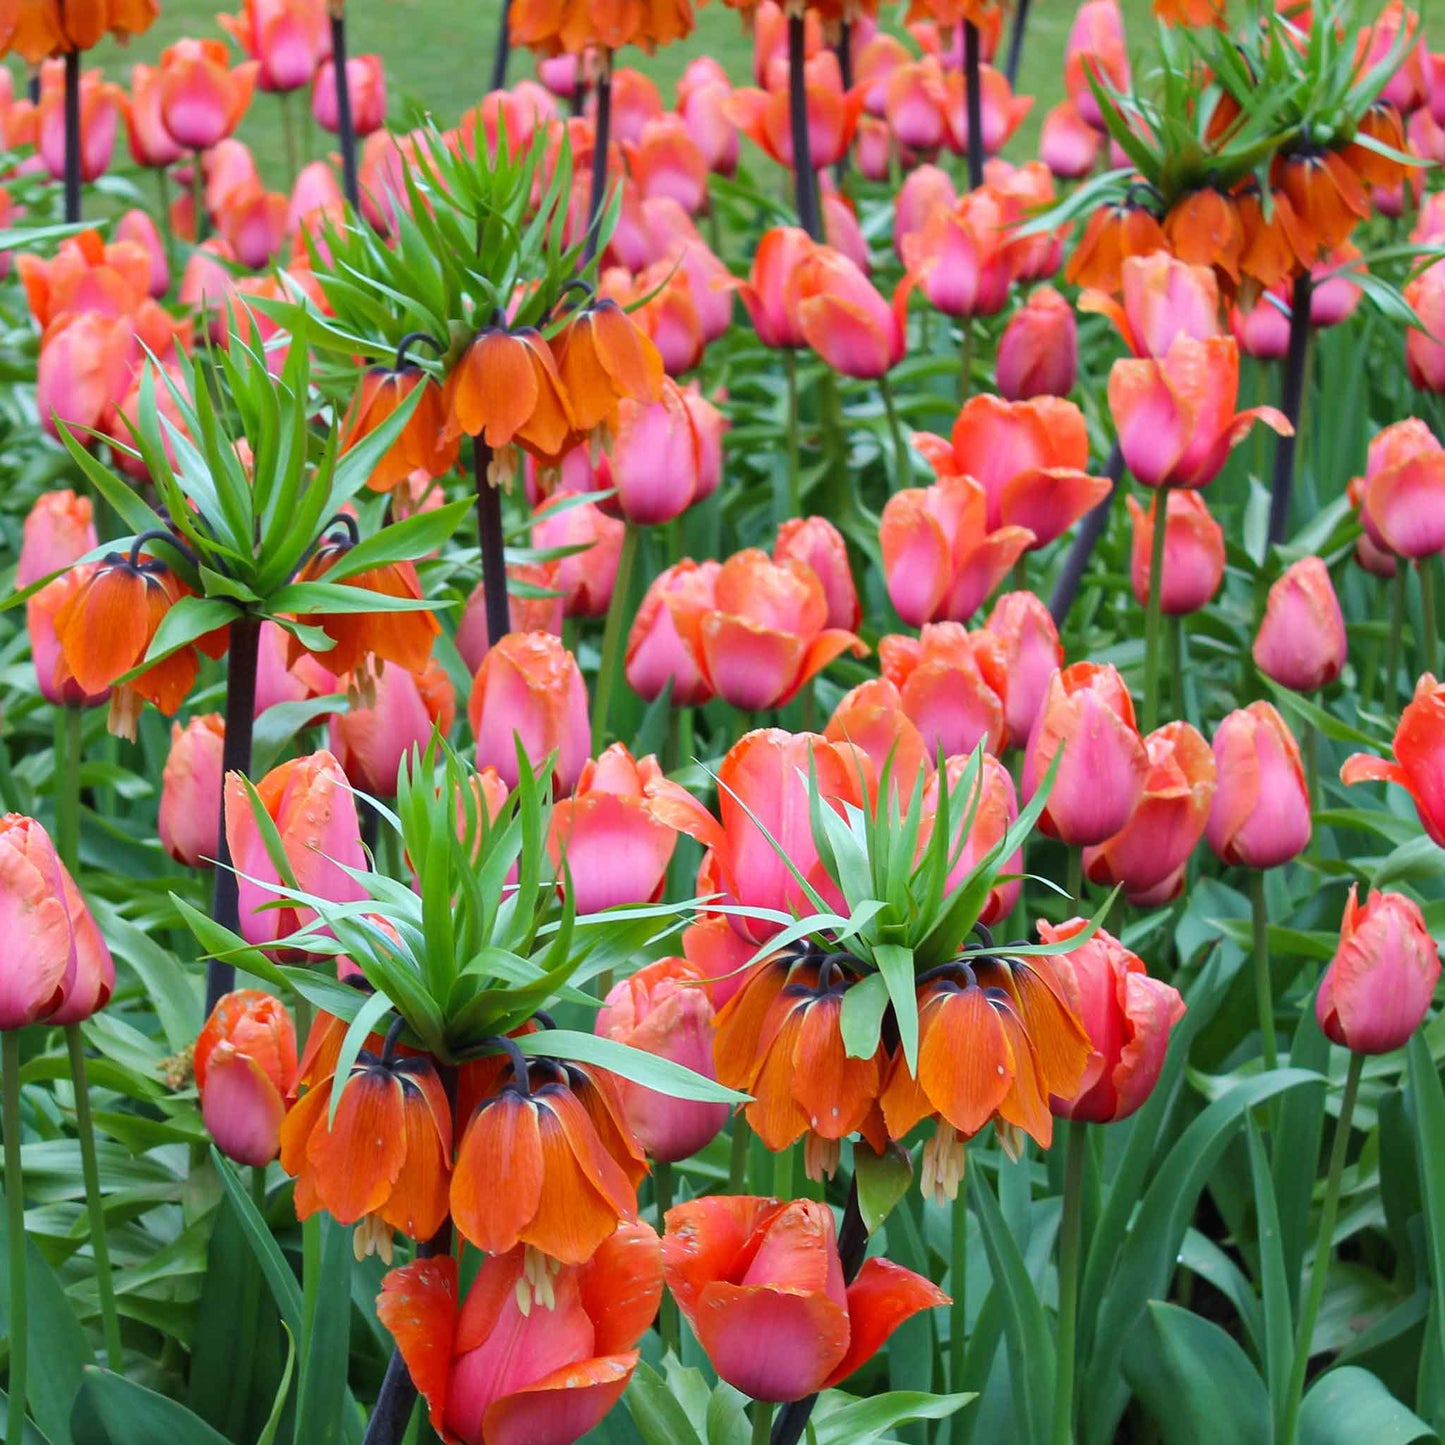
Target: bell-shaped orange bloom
column 385, row 1159
column 1325, row 193
column 1113, row 233
column 506, row 390
column 35, row 29
column 761, row 1284
column 1204, row 229
column 1277, row 243
column 423, row 444
column 780, row 1039
column 404, row 638
column 603, row 357
column 1419, row 765
column 1029, row 458
column 940, row 559
column 573, row 27
column 568, row 1158
column 528, row 1356
column 105, row 629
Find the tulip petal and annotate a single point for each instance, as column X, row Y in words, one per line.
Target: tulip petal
column 703, row 1240
column 771, row 1342
column 1154, row 421
column 750, row 665
column 562, row 1405
column 621, row 1286
column 418, row 1304
column 1048, row 501
column 880, row 1299
column 241, row 1107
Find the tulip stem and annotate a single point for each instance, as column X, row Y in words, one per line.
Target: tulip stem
column 762, row 1421
column 67, row 787
column 958, row 1289
column 1429, row 623
column 1070, row 1236
column 617, row 610
column 965, row 373
column 1393, row 645
column 345, row 130
column 1016, row 43
column 668, row 1325
column 72, row 147
column 601, row 139
column 1292, row 399
column 1324, row 1248
column 90, row 1170
column 15, row 1223
column 805, row 178
column 738, row 1159
column 1153, row 612
column 973, row 102
column 288, row 134
column 245, row 638
column 492, row 539
column 199, row 220
column 795, row 479
column 902, row 466
column 1263, row 982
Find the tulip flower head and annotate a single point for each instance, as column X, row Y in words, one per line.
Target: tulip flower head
column 761, row 1284
column 1301, row 642
column 526, row 1356
column 1419, row 765
column 1032, row 653
column 1163, row 298
column 1379, row 985
column 190, row 808
column 202, row 99
column 1260, row 816
column 1193, row 552
column 1402, row 493
column 287, row 39
column 952, row 685
column 59, row 530
column 1038, row 353
column 245, row 1062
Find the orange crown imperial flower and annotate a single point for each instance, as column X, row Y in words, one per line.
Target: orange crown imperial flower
column 603, row 358
column 423, row 444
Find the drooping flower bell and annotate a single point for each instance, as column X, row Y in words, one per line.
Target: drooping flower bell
column 423, row 444
column 603, row 358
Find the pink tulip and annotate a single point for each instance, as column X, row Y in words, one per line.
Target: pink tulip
column 529, row 690
column 1095, row 49
column 1068, row 145
column 137, row 228
column 245, row 1063
column 1380, row 983
column 664, row 1009
column 1260, row 816
column 1193, row 552
column 59, row 530
column 952, row 686
column 767, row 293
column 1038, row 353
column 1031, row 653
column 959, row 257
column 1403, row 490
column 871, row 718
column 1301, row 643
column 314, row 812
column 1163, row 299
column 654, row 460
column 842, row 231
column 371, row 743
column 665, row 161
column 280, row 680
column 287, row 38
column 844, row 318
column 101, row 108
column 150, row 142
column 190, row 810
column 202, row 99
column 586, row 578
column 817, row 543
column 1087, row 716
column 710, row 426
column 541, row 611
column 1263, row 331
column 367, row 82
column 925, row 190
column 1425, row 344
column 657, row 652
column 1127, row 1015
column 86, row 362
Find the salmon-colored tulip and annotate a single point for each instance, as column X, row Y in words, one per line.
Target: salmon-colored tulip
column 818, row 544
column 151, row 144
column 762, row 115
column 952, row 685
column 959, row 256
column 59, row 530
column 525, row 1357
column 1175, row 414
column 1193, row 552
column 1127, row 1015
column 660, row 649
column 85, row 274
column 190, row 811
column 994, row 806
column 1029, row 458
column 664, row 1009
column 86, row 363
column 1095, row 50
column 1163, row 298
column 1301, row 642
column 926, row 190
column 844, row 318
column 762, row 1286
column 585, row 578
column 1003, row 111
column 1260, row 816
column 871, row 718
column 245, row 1062
column 101, row 108
column 665, row 161
column 940, row 558
column 40, row 961
column 1032, row 653
column 654, row 459
column 136, row 228
column 1380, row 983
column 1087, row 716
column 1419, row 765
column 767, row 293
column 287, row 39
column 314, row 813
column 1403, row 490
column 1149, row 855
column 367, row 82
column 1068, row 144
column 1424, row 351
column 608, row 835
column 202, row 99
column 1038, row 353
column 371, row 742
column 702, row 100
column 529, row 690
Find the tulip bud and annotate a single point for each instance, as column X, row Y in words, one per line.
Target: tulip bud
column 585, row 579
column 1377, row 989
column 654, row 460
column 245, row 1063
column 190, row 812
column 818, row 544
column 1127, row 1015
column 1087, row 721
column 59, row 529
column 1032, row 653
column 664, row 1009
column 1193, row 552
column 1038, row 354
column 1260, row 816
column 371, row 742
column 529, row 689
column 1301, row 643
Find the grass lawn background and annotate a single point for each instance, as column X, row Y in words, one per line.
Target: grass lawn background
column 438, row 56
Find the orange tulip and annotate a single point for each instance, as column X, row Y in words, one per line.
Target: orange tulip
column 768, row 291
column 202, row 99
column 1419, row 765
column 1163, row 298
column 818, row 544
column 660, row 646
column 423, row 444
column 845, row 319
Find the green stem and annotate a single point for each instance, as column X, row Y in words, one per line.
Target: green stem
column 288, row 137
column 67, row 787
column 1263, row 982
column 90, row 1170
column 738, row 1159
column 1312, row 764
column 762, row 1422
column 198, row 199
column 783, row 1187
column 902, row 466
column 163, row 214
column 617, row 612
column 1393, row 646
column 795, row 476
column 1177, row 648
column 1070, row 1235
column 1429, row 625
column 1154, row 611
column 15, row 1223
column 958, row 1288
column 667, row 1318
column 1324, row 1248
column 965, row 376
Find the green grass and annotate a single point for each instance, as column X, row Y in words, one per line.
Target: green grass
column 438, row 57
